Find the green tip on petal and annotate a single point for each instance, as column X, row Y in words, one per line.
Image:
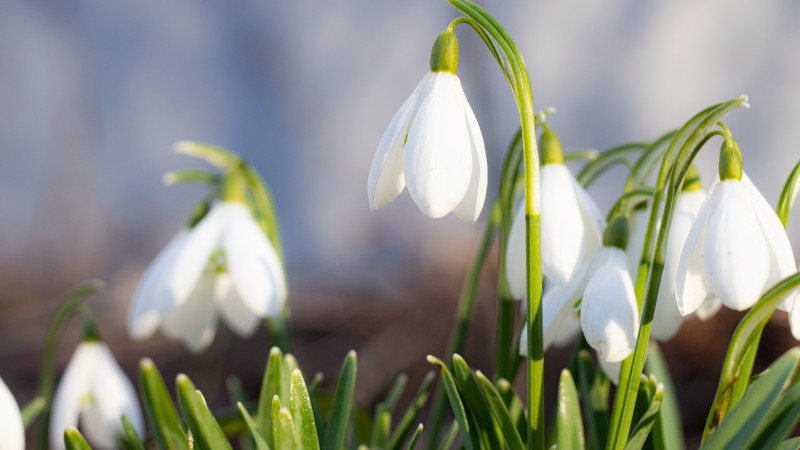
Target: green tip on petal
column 692, row 180
column 616, row 234
column 730, row 162
column 444, row 54
column 550, row 147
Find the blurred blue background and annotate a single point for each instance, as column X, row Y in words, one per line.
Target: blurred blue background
column 93, row 93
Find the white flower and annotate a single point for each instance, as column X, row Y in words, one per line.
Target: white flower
column 668, row 318
column 640, row 217
column 225, row 265
column 609, row 315
column 11, row 429
column 736, row 249
column 434, row 146
column 572, row 228
column 94, row 392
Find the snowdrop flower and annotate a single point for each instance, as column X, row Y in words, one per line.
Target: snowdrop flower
column 737, row 247
column 225, row 265
column 571, row 224
column 433, row 145
column 668, row 318
column 94, row 392
column 640, row 217
column 11, row 429
column 609, row 315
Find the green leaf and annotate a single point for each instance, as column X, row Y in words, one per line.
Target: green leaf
column 515, row 407
column 471, row 393
column 289, row 366
column 261, row 443
column 159, row 409
column 501, row 414
column 191, row 176
column 206, row 432
column 285, row 431
column 447, row 442
column 276, row 409
column 319, row 419
column 342, row 404
column 303, row 415
column 74, row 441
column 570, row 425
column 743, row 420
column 218, row 156
column 270, row 387
column 646, row 422
column 781, row 420
column 415, row 438
column 788, row 195
column 236, row 395
column 382, row 422
column 790, row 444
column 455, row 402
column 130, row 440
column 594, row 390
column 404, row 426
column 669, row 424
column 31, row 411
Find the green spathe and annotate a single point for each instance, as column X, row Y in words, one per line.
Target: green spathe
column 550, row 147
column 616, row 234
column 444, row 54
column 730, row 161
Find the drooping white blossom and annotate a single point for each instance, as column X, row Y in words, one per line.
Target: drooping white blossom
column 12, row 432
column 224, row 266
column 736, row 249
column 94, row 392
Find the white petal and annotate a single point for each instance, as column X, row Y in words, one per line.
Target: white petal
column 233, row 310
column 195, row 321
column 556, row 310
column 638, row 228
column 563, row 230
column 152, row 296
column 112, row 396
column 254, row 266
column 709, row 307
column 668, row 317
column 470, row 207
column 609, row 315
column 194, row 255
column 690, row 282
column 438, row 155
column 386, row 180
column 516, row 272
column 782, row 262
column 736, row 256
column 593, row 219
column 11, row 428
column 73, row 390
column 611, row 369
column 568, row 332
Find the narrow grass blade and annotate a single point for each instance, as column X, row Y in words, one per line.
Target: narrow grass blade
column 501, row 414
column 236, row 395
column 270, row 387
column 670, row 425
column 789, row 444
column 382, row 422
column 642, row 430
column 745, row 417
column 415, row 438
column 789, row 195
column 74, row 441
column 781, row 421
column 302, row 413
column 515, row 407
column 455, row 403
column 404, row 426
column 159, row 409
column 261, row 443
column 206, row 432
column 285, row 431
column 31, row 411
column 570, row 424
column 471, row 393
column 342, row 404
column 447, row 442
column 319, row 419
column 594, row 390
column 130, row 440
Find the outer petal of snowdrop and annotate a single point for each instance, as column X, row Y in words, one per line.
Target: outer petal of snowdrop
column 11, row 428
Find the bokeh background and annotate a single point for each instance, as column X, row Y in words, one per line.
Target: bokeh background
column 93, row 94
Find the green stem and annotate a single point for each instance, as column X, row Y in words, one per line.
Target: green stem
column 464, row 312
column 744, row 338
column 47, row 373
column 608, row 159
column 687, row 142
column 279, row 330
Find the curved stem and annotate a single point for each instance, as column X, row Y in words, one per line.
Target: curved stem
column 521, row 87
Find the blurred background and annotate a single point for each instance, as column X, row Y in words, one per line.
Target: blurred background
column 94, row 93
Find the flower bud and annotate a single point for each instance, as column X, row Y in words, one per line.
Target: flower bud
column 730, row 162
column 692, row 181
column 233, row 187
column 550, row 147
column 616, row 234
column 444, row 54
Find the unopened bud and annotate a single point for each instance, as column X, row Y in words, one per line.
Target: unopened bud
column 550, row 147
column 616, row 234
column 444, row 54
